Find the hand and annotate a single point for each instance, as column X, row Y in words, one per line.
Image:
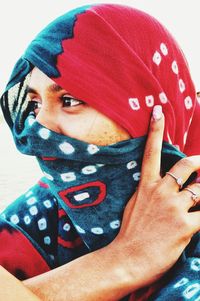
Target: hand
column 156, row 225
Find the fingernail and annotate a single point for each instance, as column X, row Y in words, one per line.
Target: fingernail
column 157, row 113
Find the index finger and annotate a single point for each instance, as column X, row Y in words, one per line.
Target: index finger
column 151, row 163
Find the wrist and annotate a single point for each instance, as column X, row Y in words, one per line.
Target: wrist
column 125, row 268
column 131, row 269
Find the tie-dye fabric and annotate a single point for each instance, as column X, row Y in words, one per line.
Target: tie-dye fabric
column 122, row 62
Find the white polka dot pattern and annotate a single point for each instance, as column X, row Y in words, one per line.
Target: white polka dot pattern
column 134, row 104
column 195, row 264
column 136, row 176
column 52, row 257
column 90, row 169
column 163, row 98
column 157, row 58
column 191, row 290
column 42, row 224
column 66, row 227
column 47, row 240
column 27, row 219
column 92, row 149
column 163, row 49
column 175, row 67
column 47, row 204
column 182, row 282
column 79, row 229
column 81, row 196
column 115, row 224
column 97, row 230
column 181, row 85
column 14, row 219
column 31, row 201
column 66, row 148
column 44, row 133
column 188, row 102
column 29, row 193
column 131, row 164
column 33, row 210
column 149, row 101
column 68, row 176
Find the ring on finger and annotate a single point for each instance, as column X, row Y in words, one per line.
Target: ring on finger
column 194, row 196
column 178, row 180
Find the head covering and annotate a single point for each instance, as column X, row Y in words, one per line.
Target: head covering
column 122, row 62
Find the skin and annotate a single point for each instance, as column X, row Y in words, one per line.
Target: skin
column 69, row 116
column 11, row 287
column 124, row 265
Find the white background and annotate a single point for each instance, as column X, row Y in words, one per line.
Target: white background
column 21, row 20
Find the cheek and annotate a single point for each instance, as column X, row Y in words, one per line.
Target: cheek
column 76, row 126
column 106, row 133
column 92, row 128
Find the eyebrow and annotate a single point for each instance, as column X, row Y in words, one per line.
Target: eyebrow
column 51, row 88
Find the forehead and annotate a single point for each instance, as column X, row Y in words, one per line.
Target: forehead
column 39, row 79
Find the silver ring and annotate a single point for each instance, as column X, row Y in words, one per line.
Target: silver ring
column 178, row 180
column 194, row 196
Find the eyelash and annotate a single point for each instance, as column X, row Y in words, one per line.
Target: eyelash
column 68, row 102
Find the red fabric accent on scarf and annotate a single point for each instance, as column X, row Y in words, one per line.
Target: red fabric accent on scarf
column 22, row 260
column 61, row 213
column 96, row 184
column 70, row 244
column 122, row 62
column 49, row 158
column 42, row 184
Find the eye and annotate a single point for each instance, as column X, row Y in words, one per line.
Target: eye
column 69, row 101
column 35, row 106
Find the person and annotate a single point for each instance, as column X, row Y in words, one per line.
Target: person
column 107, row 221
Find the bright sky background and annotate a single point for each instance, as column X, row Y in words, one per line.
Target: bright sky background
column 21, row 20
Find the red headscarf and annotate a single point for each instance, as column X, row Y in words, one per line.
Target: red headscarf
column 123, row 61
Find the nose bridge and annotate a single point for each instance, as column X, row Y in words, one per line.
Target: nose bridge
column 47, row 116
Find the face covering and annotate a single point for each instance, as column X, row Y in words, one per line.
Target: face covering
column 92, row 183
column 122, row 62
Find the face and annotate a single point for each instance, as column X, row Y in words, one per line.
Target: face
column 60, row 112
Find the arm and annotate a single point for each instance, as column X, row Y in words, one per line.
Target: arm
column 96, row 276
column 12, row 289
